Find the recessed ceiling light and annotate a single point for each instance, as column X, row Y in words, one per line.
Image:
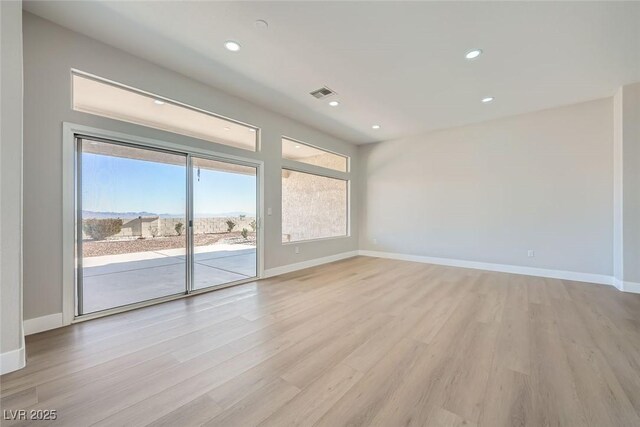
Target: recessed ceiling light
column 487, row 99
column 158, row 102
column 375, row 127
column 252, row 130
column 297, row 146
column 232, row 46
column 334, row 103
column 473, row 53
column 227, row 128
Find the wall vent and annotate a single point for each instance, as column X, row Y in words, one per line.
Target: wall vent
column 323, row 92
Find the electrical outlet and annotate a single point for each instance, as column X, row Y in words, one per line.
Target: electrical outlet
column 531, row 253
column 375, row 241
column 269, row 211
column 297, row 249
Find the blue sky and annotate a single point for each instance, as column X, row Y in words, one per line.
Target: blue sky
column 114, row 184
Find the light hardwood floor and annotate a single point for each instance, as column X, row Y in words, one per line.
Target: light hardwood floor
column 362, row 341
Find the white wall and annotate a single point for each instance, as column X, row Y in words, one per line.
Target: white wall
column 11, row 334
column 492, row 191
column 50, row 51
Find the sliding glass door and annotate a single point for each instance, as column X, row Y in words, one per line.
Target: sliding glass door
column 224, row 222
column 153, row 223
column 130, row 206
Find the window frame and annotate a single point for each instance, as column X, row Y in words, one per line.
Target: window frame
column 295, row 166
column 69, row 208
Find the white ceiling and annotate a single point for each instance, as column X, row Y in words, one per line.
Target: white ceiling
column 397, row 64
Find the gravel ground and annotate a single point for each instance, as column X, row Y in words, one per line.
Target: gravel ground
column 91, row 248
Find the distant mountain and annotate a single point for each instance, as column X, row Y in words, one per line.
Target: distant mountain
column 131, row 215
column 123, row 215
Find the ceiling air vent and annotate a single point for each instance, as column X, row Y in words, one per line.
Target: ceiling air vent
column 323, row 92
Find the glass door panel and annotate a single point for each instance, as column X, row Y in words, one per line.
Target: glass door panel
column 132, row 220
column 224, row 231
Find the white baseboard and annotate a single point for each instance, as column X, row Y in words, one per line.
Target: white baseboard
column 631, row 287
column 12, row 360
column 276, row 271
column 44, row 323
column 504, row 268
column 618, row 284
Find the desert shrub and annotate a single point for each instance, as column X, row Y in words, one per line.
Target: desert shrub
column 153, row 230
column 253, row 225
column 100, row 229
column 242, row 216
column 179, row 227
column 230, row 225
column 244, row 233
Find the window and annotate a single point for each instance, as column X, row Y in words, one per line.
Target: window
column 315, row 193
column 313, row 206
column 107, row 99
column 295, row 150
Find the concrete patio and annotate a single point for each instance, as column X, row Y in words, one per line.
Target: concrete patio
column 116, row 280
